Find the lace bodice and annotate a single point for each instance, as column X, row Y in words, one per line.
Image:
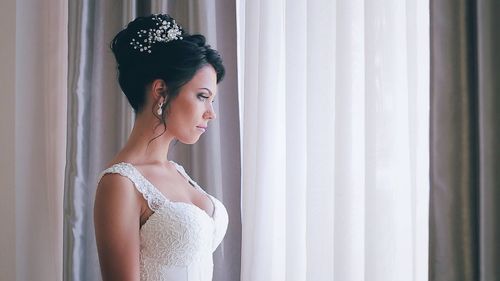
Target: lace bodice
column 178, row 239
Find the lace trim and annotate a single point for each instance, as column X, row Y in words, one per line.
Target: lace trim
column 153, row 197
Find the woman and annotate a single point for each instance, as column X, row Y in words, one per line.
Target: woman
column 152, row 221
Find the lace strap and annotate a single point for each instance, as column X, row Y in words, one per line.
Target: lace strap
column 153, row 197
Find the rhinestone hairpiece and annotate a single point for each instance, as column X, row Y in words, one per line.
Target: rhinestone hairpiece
column 165, row 31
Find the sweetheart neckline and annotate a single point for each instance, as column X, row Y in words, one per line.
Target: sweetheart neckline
column 177, row 202
column 173, row 203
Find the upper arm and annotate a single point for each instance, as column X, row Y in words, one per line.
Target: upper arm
column 116, row 220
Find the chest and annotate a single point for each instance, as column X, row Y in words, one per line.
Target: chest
column 178, row 189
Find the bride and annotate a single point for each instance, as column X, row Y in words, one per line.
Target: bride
column 152, row 221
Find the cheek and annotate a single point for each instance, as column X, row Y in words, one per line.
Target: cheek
column 182, row 115
column 181, row 125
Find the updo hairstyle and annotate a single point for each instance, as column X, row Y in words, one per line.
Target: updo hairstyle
column 175, row 62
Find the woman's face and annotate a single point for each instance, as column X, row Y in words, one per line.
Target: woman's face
column 192, row 109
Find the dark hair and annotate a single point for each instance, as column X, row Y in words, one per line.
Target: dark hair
column 175, row 62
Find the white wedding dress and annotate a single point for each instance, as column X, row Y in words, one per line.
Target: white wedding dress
column 178, row 239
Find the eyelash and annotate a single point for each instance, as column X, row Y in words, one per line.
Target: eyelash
column 203, row 98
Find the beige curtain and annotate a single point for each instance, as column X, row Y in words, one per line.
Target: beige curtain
column 38, row 71
column 99, row 120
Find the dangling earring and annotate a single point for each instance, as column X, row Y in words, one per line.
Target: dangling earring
column 160, row 109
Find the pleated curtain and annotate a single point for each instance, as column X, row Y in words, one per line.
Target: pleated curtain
column 331, row 102
column 34, row 55
column 335, row 106
column 464, row 234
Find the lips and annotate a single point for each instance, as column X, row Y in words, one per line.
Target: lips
column 202, row 128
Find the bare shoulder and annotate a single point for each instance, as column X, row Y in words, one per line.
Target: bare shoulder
column 117, row 188
column 117, row 210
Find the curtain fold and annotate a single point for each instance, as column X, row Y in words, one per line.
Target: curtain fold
column 40, row 130
column 464, row 218
column 96, row 127
column 100, row 119
column 335, row 140
column 489, row 137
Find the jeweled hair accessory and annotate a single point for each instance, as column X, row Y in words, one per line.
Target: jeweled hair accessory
column 165, row 31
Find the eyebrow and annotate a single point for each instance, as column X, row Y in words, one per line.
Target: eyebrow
column 211, row 94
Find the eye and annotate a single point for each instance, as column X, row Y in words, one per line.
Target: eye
column 202, row 97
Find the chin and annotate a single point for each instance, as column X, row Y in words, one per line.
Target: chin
column 189, row 140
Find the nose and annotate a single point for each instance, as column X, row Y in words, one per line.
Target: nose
column 210, row 113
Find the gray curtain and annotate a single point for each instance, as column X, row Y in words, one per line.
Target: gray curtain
column 465, row 136
column 100, row 119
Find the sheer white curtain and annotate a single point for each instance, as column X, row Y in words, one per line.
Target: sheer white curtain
column 334, row 100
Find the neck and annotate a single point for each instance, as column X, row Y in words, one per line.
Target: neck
column 143, row 145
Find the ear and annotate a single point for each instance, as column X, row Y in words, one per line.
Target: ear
column 158, row 90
